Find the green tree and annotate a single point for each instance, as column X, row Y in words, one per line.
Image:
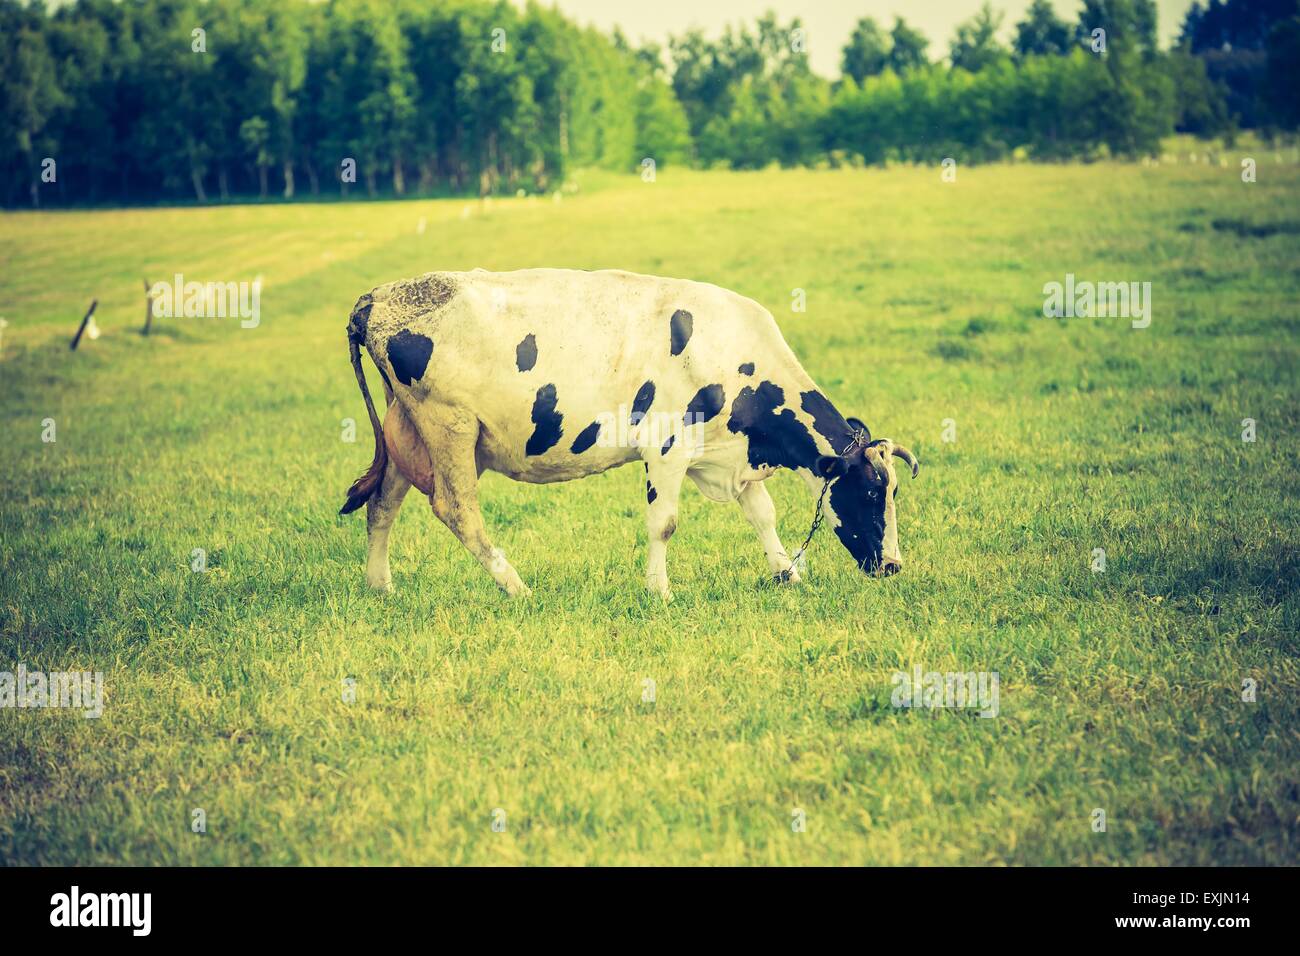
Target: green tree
column 907, row 47
column 282, row 60
column 976, row 44
column 662, row 129
column 29, row 95
column 867, row 52
column 1042, row 32
column 1283, row 68
column 1130, row 25
column 1201, row 107
column 255, row 133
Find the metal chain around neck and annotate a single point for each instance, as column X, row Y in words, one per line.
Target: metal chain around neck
column 859, row 438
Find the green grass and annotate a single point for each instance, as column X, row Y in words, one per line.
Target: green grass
column 1119, row 690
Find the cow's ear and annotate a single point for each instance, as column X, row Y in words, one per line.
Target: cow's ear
column 859, row 426
column 831, row 466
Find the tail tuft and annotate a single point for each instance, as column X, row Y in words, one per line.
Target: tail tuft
column 365, row 487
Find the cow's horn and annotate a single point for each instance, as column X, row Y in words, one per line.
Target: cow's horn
column 907, row 456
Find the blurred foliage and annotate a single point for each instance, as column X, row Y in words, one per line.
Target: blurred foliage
column 154, row 99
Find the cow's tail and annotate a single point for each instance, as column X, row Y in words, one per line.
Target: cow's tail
column 369, row 483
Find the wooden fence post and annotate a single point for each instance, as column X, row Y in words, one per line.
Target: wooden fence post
column 82, row 328
column 148, row 309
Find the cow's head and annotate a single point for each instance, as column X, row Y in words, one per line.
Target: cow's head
column 861, row 498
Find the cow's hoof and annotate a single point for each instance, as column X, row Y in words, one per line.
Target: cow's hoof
column 381, row 587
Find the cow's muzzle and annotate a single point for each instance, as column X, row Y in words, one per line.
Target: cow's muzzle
column 888, row 566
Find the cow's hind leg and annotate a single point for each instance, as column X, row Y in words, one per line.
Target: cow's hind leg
column 455, row 499
column 381, row 511
column 757, row 505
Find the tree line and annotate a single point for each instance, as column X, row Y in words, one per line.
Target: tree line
column 112, row 101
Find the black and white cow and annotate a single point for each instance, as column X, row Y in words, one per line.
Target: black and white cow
column 551, row 374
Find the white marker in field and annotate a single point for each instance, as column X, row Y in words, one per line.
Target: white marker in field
column 3, row 326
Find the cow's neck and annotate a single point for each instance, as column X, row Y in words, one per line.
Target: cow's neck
column 791, row 423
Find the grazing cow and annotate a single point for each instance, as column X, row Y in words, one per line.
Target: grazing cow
column 551, row 374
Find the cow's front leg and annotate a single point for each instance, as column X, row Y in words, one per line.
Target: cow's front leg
column 381, row 511
column 662, row 489
column 757, row 505
column 455, row 501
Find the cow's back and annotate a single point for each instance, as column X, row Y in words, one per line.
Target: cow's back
column 553, row 362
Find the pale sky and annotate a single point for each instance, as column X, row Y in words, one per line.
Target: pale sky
column 828, row 22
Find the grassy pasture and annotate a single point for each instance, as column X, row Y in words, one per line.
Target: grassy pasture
column 1119, row 690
